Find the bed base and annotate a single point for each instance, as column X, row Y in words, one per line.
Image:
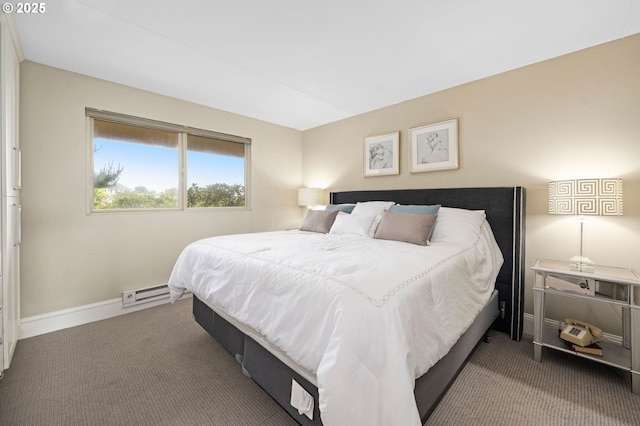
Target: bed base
column 258, row 363
column 275, row 377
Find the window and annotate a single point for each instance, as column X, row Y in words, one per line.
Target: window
column 144, row 164
column 215, row 172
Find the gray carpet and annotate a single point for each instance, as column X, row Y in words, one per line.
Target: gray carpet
column 502, row 385
column 158, row 367
column 152, row 367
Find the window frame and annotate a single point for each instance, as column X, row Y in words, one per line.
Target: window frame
column 92, row 114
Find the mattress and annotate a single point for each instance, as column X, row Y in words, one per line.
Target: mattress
column 365, row 316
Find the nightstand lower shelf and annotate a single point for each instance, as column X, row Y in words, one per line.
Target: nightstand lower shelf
column 613, row 354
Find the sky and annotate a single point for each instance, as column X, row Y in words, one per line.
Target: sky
column 156, row 168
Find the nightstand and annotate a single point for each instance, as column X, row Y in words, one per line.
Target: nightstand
column 603, row 284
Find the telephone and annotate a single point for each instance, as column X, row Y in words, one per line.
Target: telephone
column 580, row 332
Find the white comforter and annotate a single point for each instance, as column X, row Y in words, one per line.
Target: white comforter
column 367, row 316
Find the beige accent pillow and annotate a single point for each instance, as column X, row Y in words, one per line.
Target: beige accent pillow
column 318, row 221
column 406, row 227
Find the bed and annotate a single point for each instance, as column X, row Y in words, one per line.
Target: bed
column 331, row 324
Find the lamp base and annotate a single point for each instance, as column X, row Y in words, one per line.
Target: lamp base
column 582, row 263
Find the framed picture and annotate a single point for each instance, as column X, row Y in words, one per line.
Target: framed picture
column 381, row 155
column 434, row 146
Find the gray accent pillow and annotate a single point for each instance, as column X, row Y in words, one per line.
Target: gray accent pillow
column 318, row 221
column 406, row 227
column 347, row 208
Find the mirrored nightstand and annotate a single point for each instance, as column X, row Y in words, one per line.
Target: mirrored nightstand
column 603, row 284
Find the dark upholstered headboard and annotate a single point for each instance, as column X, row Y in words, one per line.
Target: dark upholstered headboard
column 504, row 207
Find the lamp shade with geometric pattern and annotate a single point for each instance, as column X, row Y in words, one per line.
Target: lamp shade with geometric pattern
column 601, row 197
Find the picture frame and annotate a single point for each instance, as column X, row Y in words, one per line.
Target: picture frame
column 382, row 155
column 434, row 146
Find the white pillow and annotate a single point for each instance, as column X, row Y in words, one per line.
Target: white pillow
column 371, row 208
column 457, row 225
column 351, row 224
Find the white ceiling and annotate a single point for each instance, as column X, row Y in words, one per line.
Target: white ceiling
column 304, row 63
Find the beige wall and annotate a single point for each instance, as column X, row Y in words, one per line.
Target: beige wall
column 70, row 258
column 576, row 116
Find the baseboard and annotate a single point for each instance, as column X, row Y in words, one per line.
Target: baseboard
column 59, row 320
column 527, row 325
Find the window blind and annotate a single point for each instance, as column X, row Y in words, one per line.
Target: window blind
column 114, row 117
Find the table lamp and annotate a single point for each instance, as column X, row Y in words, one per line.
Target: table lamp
column 309, row 197
column 582, row 197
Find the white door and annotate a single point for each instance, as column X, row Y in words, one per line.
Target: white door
column 10, row 191
column 10, row 279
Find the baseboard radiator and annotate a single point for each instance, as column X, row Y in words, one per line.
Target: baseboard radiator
column 144, row 295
